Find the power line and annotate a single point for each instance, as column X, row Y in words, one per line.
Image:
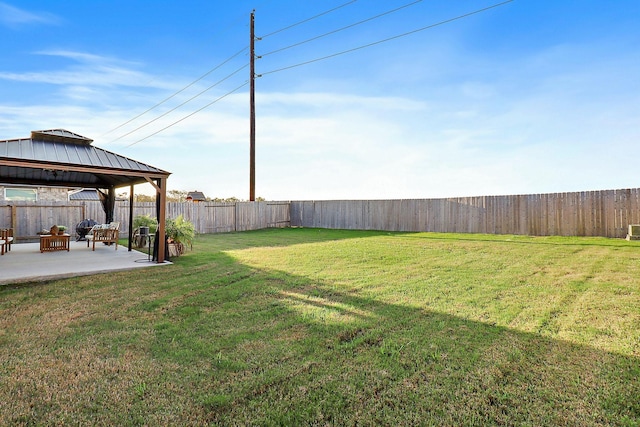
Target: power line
column 191, row 114
column 308, row 19
column 217, row 67
column 180, row 105
column 291, row 66
column 343, row 28
column 388, row 39
column 175, row 94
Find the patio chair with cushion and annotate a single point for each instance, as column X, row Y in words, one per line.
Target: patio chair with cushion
column 106, row 233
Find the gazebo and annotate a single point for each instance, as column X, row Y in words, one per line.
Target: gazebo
column 59, row 158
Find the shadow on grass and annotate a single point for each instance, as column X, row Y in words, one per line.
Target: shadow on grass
column 288, row 350
column 200, row 344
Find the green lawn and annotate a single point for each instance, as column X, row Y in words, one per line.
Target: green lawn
column 329, row 327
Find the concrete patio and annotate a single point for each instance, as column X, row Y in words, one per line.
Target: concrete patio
column 25, row 263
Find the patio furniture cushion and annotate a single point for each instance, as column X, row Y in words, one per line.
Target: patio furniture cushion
column 106, row 233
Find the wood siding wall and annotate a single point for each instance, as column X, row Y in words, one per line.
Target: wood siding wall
column 590, row 213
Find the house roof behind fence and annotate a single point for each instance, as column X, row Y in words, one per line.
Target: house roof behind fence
column 85, row 194
column 197, row 196
column 58, row 157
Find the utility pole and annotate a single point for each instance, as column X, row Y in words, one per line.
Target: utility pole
column 252, row 113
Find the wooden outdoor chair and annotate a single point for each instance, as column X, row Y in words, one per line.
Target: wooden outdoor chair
column 106, row 233
column 6, row 240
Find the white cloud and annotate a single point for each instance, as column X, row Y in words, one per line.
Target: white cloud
column 14, row 17
column 88, row 70
column 550, row 121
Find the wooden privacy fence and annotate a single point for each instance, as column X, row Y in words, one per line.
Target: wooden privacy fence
column 28, row 218
column 605, row 213
column 591, row 213
column 206, row 217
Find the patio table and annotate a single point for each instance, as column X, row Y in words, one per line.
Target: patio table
column 59, row 242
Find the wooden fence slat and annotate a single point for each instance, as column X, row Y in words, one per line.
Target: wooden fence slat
column 604, row 213
column 589, row 213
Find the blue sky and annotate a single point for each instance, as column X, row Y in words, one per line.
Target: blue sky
column 527, row 97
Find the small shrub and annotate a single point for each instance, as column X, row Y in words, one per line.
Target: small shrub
column 181, row 232
column 145, row 221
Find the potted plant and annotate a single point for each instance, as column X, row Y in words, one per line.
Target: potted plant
column 180, row 232
column 145, row 221
column 61, row 229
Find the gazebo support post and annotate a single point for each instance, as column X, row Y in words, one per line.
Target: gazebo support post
column 111, row 205
column 162, row 217
column 161, row 212
column 108, row 200
column 130, row 216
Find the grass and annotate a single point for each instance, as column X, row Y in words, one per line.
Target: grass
column 330, row 327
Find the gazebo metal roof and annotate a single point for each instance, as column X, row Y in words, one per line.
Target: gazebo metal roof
column 58, row 157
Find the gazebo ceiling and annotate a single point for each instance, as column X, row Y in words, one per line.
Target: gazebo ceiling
column 61, row 158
